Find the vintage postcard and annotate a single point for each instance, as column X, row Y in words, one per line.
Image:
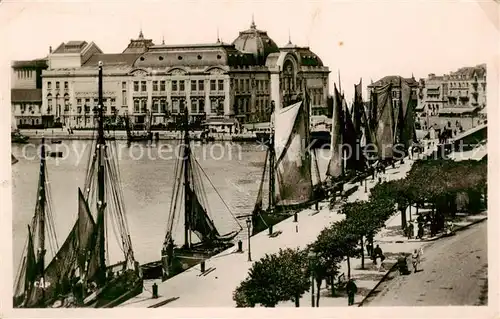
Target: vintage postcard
column 240, row 156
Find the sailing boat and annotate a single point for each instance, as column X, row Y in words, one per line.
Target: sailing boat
column 289, row 167
column 136, row 137
column 189, row 201
column 80, row 274
column 15, row 135
column 29, row 283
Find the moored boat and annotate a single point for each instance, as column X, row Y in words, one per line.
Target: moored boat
column 80, row 274
column 189, row 202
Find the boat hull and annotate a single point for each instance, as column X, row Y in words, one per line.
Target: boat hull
column 183, row 260
column 269, row 218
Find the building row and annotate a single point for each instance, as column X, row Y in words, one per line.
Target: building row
column 149, row 82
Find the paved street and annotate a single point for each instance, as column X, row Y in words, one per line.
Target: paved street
column 453, row 272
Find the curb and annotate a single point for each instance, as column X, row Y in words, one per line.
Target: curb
column 384, row 277
column 378, row 284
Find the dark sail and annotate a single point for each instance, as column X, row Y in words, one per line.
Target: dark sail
column 201, row 224
column 408, row 124
column 86, row 229
column 335, row 164
column 353, row 154
column 384, row 124
column 357, row 110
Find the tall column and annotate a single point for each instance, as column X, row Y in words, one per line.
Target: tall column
column 275, row 89
column 227, row 97
column 208, row 103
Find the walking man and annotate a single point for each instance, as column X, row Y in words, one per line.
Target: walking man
column 352, row 289
column 410, row 230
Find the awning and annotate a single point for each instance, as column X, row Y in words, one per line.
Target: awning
column 483, row 111
column 457, row 110
column 419, row 107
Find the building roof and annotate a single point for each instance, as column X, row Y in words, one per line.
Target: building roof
column 139, row 45
column 469, row 72
column 26, row 95
column 256, row 42
column 38, row 63
column 394, row 79
column 194, row 55
column 71, row 47
column 112, row 59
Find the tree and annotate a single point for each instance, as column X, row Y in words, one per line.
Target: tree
column 284, row 276
column 366, row 217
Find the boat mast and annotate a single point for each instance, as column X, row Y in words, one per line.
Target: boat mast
column 101, row 145
column 187, row 188
column 271, row 161
column 41, row 212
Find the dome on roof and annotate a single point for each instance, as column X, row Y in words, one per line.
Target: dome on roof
column 257, row 42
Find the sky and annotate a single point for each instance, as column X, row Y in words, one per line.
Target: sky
column 358, row 39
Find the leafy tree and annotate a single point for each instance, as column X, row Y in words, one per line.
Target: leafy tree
column 277, row 277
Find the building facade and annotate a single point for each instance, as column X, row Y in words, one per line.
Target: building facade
column 26, row 92
column 149, row 82
column 395, row 80
column 460, row 92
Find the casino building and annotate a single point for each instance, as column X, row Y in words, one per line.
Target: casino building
column 230, row 82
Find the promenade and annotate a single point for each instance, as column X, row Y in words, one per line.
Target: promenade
column 225, row 271
column 63, row 134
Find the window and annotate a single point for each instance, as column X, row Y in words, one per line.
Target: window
column 194, row 106
column 213, row 106
column 174, row 85
column 201, row 105
column 193, row 85
column 49, row 103
column 247, row 84
column 57, row 85
column 175, row 106
column 136, row 86
column 65, row 85
column 181, row 85
column 201, row 85
column 163, row 105
column 236, row 86
column 136, row 106
column 156, row 106
column 143, row 86
column 143, row 106
column 49, row 85
column 162, row 85
column 212, row 85
column 113, row 101
column 221, row 85
column 124, row 85
column 155, row 85
column 124, row 98
column 78, row 101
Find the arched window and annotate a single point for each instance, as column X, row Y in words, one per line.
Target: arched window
column 66, row 102
column 49, row 103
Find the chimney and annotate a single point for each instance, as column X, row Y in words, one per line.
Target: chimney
column 50, row 49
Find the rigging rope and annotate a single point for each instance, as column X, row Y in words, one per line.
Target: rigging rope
column 203, row 171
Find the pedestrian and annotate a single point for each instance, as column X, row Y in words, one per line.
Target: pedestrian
column 415, row 258
column 378, row 257
column 410, row 230
column 420, row 233
column 351, row 289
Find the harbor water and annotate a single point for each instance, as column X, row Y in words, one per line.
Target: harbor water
column 147, row 176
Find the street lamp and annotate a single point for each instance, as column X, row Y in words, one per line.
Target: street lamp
column 311, row 255
column 249, row 224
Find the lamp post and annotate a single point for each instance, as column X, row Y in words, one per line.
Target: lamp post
column 249, row 224
column 312, row 256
